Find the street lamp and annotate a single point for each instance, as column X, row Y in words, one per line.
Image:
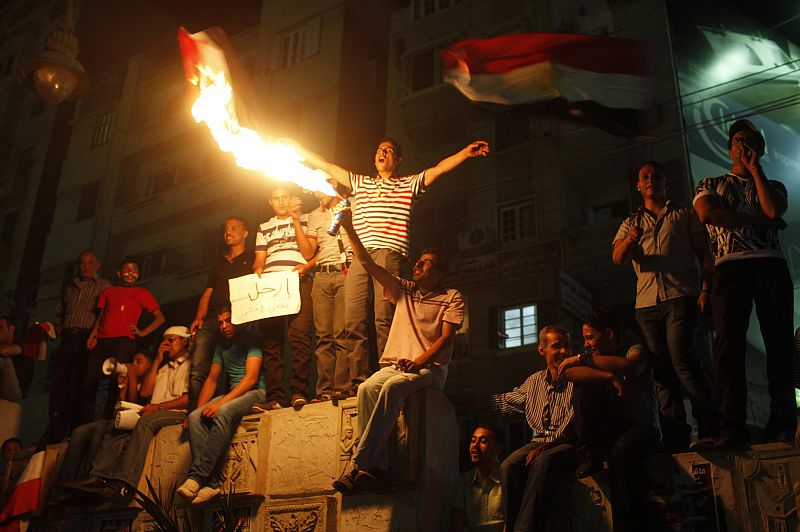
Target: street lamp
column 54, row 73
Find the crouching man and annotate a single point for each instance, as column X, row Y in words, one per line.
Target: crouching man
column 212, row 424
column 120, row 458
column 416, row 356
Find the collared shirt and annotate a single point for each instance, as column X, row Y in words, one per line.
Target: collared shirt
column 482, row 501
column 418, row 321
column 383, row 209
column 232, row 357
column 78, row 306
column 547, row 405
column 172, row 380
column 664, row 258
column 745, row 241
column 332, row 249
column 277, row 238
column 221, row 271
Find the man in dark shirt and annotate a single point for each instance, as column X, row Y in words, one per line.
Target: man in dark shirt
column 75, row 316
column 235, row 263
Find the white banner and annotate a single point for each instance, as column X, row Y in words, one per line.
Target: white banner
column 273, row 294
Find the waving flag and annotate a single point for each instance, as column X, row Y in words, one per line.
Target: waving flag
column 599, row 79
column 25, row 497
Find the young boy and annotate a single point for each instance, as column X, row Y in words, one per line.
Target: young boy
column 115, row 331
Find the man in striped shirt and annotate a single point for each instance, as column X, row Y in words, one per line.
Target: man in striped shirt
column 283, row 243
column 529, row 474
column 382, row 212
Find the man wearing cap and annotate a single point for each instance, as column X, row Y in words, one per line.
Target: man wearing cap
column 121, row 456
column 742, row 211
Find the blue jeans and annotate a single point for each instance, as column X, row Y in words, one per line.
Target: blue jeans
column 84, row 443
column 669, row 332
column 205, row 342
column 209, row 438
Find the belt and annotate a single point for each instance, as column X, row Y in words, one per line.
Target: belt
column 329, row 268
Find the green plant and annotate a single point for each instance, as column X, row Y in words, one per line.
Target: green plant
column 163, row 512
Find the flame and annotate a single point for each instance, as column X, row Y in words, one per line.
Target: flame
column 214, row 106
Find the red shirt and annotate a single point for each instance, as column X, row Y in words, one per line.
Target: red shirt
column 120, row 306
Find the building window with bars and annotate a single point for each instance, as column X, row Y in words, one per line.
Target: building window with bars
column 517, row 222
column 102, row 129
column 518, row 326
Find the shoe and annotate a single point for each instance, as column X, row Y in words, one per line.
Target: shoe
column 341, row 395
column 206, row 493
column 66, row 498
column 321, row 398
column 707, row 443
column 115, row 491
column 188, row 490
column 260, row 408
column 375, row 481
column 587, row 464
column 346, row 484
column 298, row 400
column 84, row 485
column 730, row 443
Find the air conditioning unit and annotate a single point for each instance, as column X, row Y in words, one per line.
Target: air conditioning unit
column 476, row 239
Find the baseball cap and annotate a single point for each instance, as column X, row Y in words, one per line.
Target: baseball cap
column 746, row 125
column 178, row 330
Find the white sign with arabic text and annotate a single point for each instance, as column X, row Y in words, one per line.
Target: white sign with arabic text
column 272, row 294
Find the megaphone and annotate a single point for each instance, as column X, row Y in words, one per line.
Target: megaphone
column 111, row 366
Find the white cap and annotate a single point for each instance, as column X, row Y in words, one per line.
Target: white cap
column 178, row 330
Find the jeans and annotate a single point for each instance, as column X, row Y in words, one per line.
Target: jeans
column 122, row 453
column 380, row 400
column 209, row 438
column 205, row 343
column 121, row 348
column 84, row 442
column 356, row 286
column 329, row 322
column 299, row 332
column 65, row 399
column 529, row 492
column 669, row 329
column 736, row 286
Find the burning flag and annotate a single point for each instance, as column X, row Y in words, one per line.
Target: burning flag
column 598, row 79
column 206, row 68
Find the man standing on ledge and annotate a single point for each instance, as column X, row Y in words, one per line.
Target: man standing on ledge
column 417, row 354
column 742, row 211
column 382, row 212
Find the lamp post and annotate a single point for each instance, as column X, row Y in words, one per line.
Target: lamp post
column 54, row 73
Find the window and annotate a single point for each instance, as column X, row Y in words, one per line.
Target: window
column 161, row 262
column 518, row 326
column 616, row 209
column 8, row 228
column 517, row 222
column 421, row 70
column 102, row 129
column 87, row 204
column 299, row 43
column 511, row 129
column 423, row 8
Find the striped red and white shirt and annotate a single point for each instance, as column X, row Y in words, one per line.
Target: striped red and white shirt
column 383, row 209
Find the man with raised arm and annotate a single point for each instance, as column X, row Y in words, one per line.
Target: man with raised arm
column 742, row 211
column 417, row 355
column 383, row 204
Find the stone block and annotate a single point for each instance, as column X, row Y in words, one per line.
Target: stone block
column 240, row 472
column 168, row 460
column 380, row 513
column 309, row 514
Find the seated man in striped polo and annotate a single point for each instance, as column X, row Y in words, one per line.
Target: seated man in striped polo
column 383, row 204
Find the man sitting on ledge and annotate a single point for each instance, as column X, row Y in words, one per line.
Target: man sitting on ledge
column 416, row 356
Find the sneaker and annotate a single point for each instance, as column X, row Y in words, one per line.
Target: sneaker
column 115, row 490
column 341, row 395
column 207, row 493
column 298, row 400
column 375, row 481
column 321, row 398
column 346, row 484
column 260, row 408
column 188, row 490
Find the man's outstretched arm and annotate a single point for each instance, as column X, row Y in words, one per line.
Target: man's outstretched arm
column 477, row 148
column 341, row 175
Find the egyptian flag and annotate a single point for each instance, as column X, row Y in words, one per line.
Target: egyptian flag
column 597, row 80
column 25, row 497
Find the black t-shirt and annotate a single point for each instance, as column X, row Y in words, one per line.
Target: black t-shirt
column 221, row 271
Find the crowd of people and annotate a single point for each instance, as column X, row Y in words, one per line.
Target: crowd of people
column 610, row 406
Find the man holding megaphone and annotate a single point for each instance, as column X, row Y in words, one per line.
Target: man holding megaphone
column 118, row 464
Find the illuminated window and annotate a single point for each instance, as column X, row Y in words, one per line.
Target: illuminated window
column 518, row 326
column 102, row 129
